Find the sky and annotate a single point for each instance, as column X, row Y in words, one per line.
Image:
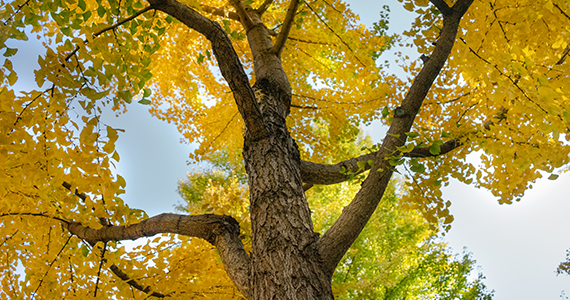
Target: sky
column 517, row 247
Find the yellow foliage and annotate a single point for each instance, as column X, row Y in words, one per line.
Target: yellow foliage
column 509, row 65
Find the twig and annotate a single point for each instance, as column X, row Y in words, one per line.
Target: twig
column 133, row 283
column 103, row 260
column 327, row 25
column 140, row 12
column 286, row 28
column 50, row 265
column 260, row 10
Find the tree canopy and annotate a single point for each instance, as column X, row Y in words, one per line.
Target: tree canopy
column 283, row 85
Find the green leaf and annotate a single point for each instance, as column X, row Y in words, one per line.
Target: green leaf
column 12, row 78
column 248, row 2
column 412, row 135
column 396, row 161
column 552, row 177
column 84, row 250
column 446, row 135
column 434, row 149
column 385, row 112
column 87, row 15
column 406, row 148
column 9, row 52
column 82, row 4
column 145, row 101
column 101, row 11
column 66, row 31
column 146, row 92
column 419, row 168
column 200, row 58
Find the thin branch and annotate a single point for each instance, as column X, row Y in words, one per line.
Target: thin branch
column 27, row 105
column 442, row 7
column 514, row 82
column 562, row 12
column 100, row 267
column 286, row 28
column 327, row 25
column 303, row 107
column 261, row 10
column 98, row 33
column 67, row 185
column 133, row 283
column 51, row 264
column 43, row 215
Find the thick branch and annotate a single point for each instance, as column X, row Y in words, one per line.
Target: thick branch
column 220, row 231
column 243, row 15
column 336, row 241
column 424, row 151
column 314, row 173
column 442, row 7
column 286, row 28
column 228, row 61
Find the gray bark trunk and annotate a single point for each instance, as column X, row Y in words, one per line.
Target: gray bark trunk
column 285, row 262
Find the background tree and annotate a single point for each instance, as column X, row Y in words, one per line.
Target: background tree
column 300, row 68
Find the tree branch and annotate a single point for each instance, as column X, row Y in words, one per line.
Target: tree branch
column 228, row 61
column 315, row 173
column 442, row 7
column 260, row 10
column 337, row 240
column 243, row 15
column 135, row 284
column 98, row 33
column 425, row 151
column 220, row 231
column 286, row 28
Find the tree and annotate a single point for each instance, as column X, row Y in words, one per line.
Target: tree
column 294, row 80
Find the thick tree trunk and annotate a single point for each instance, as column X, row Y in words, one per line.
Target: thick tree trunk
column 285, row 262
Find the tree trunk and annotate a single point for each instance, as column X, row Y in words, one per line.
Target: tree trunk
column 285, row 261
